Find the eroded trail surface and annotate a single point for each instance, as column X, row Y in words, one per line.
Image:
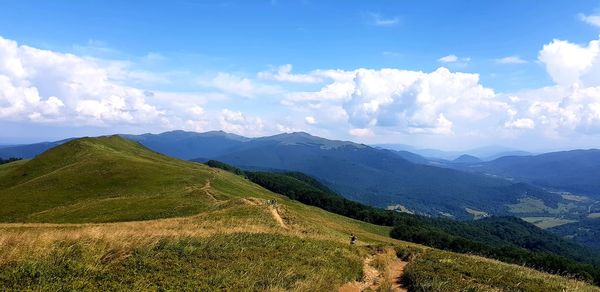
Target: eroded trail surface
column 206, row 190
column 373, row 279
column 277, row 217
column 397, row 269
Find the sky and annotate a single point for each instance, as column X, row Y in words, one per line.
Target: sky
column 449, row 75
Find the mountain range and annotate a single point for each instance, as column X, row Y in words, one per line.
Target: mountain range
column 375, row 176
column 485, row 153
column 576, row 171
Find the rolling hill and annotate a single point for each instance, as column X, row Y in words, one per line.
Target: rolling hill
column 201, row 228
column 91, row 179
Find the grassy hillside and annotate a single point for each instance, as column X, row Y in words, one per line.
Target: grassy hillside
column 506, row 238
column 101, row 180
column 206, row 229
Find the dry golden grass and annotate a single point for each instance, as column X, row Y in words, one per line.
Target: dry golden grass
column 22, row 241
column 233, row 206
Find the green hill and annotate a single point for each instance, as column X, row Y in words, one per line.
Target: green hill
column 108, row 214
column 100, row 180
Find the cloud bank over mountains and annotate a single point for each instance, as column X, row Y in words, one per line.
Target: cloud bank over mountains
column 41, row 87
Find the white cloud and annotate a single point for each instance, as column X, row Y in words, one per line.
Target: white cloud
column 448, row 59
column 46, row 86
column 310, row 120
column 454, row 59
column 590, row 19
column 520, row 124
column 284, row 74
column 569, row 63
column 236, row 122
column 405, row 101
column 511, row 60
column 361, row 132
column 196, row 110
column 560, row 111
column 379, row 20
column 570, row 108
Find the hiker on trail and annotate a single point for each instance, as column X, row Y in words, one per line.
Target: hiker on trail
column 352, row 239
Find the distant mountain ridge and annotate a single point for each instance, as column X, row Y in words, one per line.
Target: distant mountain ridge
column 575, row 171
column 485, row 153
column 381, row 177
column 465, row 158
column 189, row 145
column 378, row 177
column 29, row 150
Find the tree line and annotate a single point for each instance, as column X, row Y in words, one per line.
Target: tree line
column 9, row 160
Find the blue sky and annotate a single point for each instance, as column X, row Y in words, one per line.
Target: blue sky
column 205, row 65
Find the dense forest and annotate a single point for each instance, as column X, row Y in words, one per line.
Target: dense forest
column 507, row 239
column 9, row 160
column 586, row 231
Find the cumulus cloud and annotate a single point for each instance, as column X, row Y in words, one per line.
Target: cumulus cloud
column 569, row 63
column 402, row 100
column 518, row 123
column 560, row 111
column 572, row 105
column 46, row 86
column 511, row 60
column 236, row 122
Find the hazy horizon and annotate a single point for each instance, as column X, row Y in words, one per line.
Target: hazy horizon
column 496, row 148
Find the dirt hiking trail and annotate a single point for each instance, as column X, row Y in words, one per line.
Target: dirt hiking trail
column 277, row 217
column 373, row 279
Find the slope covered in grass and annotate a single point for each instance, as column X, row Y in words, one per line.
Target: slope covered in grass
column 233, row 240
column 509, row 239
column 101, row 180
